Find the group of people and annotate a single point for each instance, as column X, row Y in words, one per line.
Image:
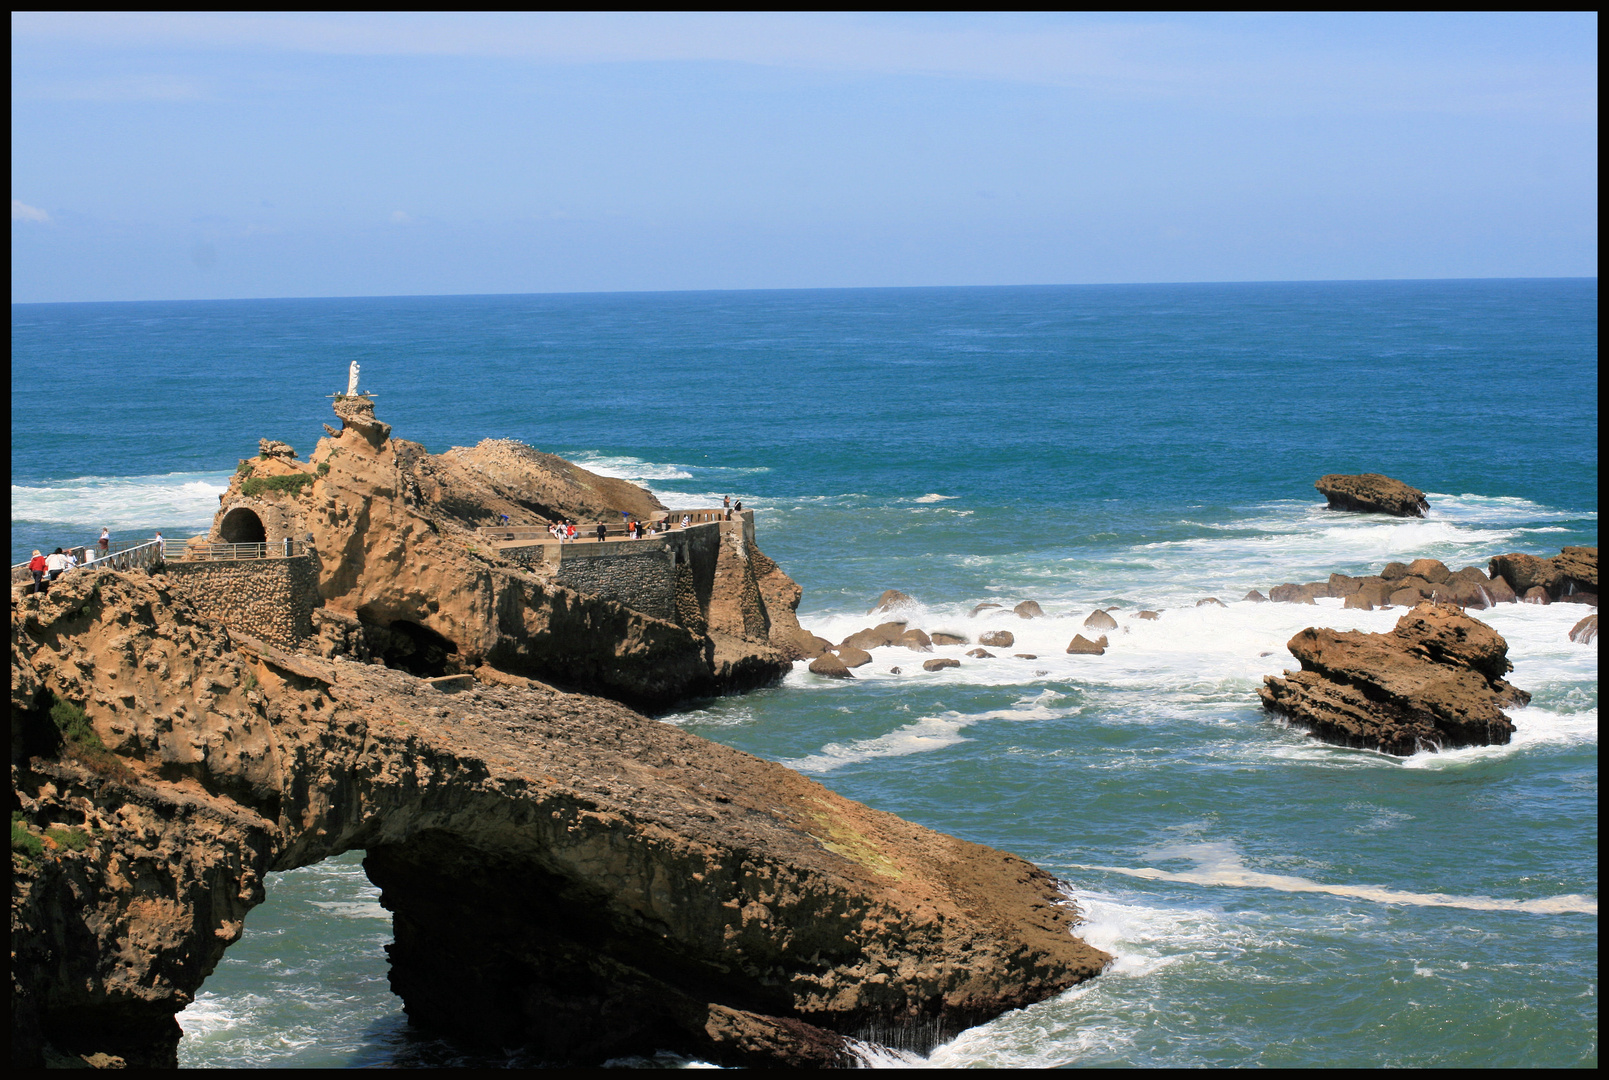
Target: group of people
column 47, row 568
column 565, row 531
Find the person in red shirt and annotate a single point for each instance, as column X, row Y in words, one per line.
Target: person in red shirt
column 36, row 567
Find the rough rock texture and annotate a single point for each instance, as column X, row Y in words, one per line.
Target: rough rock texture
column 1434, row 682
column 1372, row 493
column 1000, row 639
column 1585, row 632
column 644, row 889
column 1574, row 570
column 392, row 532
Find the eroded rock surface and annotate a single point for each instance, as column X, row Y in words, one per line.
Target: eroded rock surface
column 563, row 872
column 1434, row 682
column 1372, row 493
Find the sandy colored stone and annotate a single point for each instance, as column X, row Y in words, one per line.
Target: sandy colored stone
column 1082, row 644
column 1100, row 620
column 1372, row 493
column 1029, row 609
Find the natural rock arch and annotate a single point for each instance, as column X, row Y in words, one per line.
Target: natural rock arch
column 241, row 525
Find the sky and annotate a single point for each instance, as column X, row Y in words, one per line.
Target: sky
column 209, row 156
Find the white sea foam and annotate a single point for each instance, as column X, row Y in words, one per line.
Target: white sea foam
column 1220, row 864
column 925, row 735
column 363, row 909
column 178, row 500
column 932, row 498
column 623, row 467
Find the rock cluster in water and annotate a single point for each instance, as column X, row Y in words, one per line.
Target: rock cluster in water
column 1569, row 577
column 1434, row 682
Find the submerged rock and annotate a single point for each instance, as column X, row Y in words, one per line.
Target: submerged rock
column 1255, row 597
column 891, row 599
column 940, row 663
column 1585, row 632
column 950, row 639
column 1372, row 493
column 982, row 654
column 1434, row 682
column 984, row 607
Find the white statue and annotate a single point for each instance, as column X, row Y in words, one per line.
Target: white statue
column 352, row 380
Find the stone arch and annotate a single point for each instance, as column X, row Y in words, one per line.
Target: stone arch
column 242, row 526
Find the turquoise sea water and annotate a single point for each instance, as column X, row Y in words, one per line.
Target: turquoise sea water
column 1271, row 900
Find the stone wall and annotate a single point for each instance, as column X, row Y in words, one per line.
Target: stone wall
column 271, row 599
column 644, row 581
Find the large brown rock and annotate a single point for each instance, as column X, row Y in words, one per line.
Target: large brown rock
column 916, row 641
column 876, row 637
column 1029, row 609
column 1372, row 493
column 1082, row 644
column 1100, row 620
column 1432, row 570
column 1000, row 639
column 831, row 666
column 1585, row 632
column 1434, row 682
column 1527, row 572
column 950, row 639
column 939, row 663
column 563, row 873
column 853, row 657
column 1579, row 568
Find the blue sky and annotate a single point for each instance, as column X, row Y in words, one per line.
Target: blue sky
column 178, row 156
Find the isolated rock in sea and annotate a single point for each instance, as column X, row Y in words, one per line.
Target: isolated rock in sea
column 1434, row 682
column 982, row 654
column 563, row 873
column 1026, row 655
column 1255, row 597
column 950, row 639
column 1100, row 620
column 1585, row 632
column 984, row 607
column 1372, row 493
column 1082, row 644
column 1210, row 601
column 831, row 666
column 940, row 663
column 1029, row 609
column 1000, row 639
column 1147, row 615
column 1290, row 594
column 890, row 600
column 853, row 657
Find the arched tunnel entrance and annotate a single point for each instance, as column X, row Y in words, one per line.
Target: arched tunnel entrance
column 307, row 985
column 242, row 526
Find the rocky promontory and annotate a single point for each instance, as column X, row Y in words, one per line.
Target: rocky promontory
column 1434, row 682
column 563, row 872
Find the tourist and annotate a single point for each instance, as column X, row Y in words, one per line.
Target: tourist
column 739, row 506
column 570, row 531
column 726, row 501
column 55, row 565
column 105, row 542
column 36, row 567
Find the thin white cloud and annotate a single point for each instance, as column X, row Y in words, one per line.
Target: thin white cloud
column 132, row 88
column 1267, row 59
column 401, row 217
column 21, row 211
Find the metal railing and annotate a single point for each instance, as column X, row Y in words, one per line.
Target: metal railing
column 133, row 555
column 662, row 521
column 186, row 551
column 129, row 555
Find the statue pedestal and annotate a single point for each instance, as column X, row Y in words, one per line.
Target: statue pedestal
column 357, row 413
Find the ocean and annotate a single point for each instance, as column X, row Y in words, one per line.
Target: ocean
column 1271, row 900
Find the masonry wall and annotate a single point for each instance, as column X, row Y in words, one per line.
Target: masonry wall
column 271, row 599
column 644, row 581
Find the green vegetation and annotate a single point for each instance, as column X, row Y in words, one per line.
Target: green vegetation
column 292, row 484
column 323, row 468
column 244, row 468
column 24, row 844
column 82, row 744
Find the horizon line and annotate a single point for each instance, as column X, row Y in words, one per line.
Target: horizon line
column 804, row 288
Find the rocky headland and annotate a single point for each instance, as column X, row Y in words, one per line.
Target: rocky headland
column 563, row 872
